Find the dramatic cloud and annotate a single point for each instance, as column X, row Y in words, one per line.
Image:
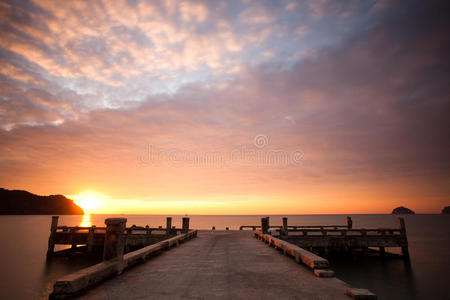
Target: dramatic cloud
column 352, row 99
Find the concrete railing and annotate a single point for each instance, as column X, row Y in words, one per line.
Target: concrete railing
column 311, row 260
column 114, row 259
column 94, row 236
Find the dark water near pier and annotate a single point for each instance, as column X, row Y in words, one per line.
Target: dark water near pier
column 24, row 273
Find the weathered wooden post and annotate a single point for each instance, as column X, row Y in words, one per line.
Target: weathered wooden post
column 364, row 249
column 90, row 239
column 265, row 225
column 169, row 226
column 185, row 228
column 284, row 230
column 51, row 242
column 115, row 241
column 382, row 249
column 402, row 226
column 349, row 222
column 148, row 233
column 129, row 232
column 71, row 236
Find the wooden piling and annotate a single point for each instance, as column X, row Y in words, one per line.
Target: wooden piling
column 148, row 234
column 349, row 222
column 265, row 225
column 382, row 250
column 284, row 230
column 185, row 228
column 71, row 237
column 169, row 225
column 51, row 243
column 402, row 227
column 90, row 239
column 115, row 241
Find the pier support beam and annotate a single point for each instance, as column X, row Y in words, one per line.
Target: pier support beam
column 265, row 225
column 148, row 233
column 185, row 225
column 169, row 225
column 115, row 241
column 284, row 229
column 90, row 239
column 51, row 243
column 349, row 222
column 402, row 226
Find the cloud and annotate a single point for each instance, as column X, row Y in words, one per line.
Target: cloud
column 370, row 109
column 256, row 14
column 291, row 5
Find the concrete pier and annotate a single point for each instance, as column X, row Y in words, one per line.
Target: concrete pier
column 224, row 265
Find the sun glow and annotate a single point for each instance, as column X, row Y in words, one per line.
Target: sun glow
column 89, row 201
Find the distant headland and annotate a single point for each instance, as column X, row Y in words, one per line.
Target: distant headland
column 401, row 210
column 17, row 202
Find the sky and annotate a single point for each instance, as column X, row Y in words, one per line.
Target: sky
column 228, row 107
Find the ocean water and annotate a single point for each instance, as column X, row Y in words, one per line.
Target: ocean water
column 25, row 274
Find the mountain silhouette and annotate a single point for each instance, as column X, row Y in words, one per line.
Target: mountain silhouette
column 17, row 202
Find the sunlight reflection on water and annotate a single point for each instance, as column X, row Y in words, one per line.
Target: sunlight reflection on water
column 85, row 221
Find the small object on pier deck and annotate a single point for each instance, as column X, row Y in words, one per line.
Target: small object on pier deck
column 169, row 226
column 349, row 222
column 51, row 242
column 115, row 241
column 185, row 225
column 361, row 294
column 214, row 228
column 226, row 228
column 323, row 273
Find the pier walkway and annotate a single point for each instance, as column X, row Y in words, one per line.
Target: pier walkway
column 220, row 265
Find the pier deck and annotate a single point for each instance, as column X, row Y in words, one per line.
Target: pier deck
column 220, row 264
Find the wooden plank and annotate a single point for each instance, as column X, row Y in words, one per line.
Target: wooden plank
column 361, row 294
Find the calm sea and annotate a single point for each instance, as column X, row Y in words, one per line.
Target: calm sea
column 24, row 273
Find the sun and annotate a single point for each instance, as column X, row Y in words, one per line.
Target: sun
column 89, row 201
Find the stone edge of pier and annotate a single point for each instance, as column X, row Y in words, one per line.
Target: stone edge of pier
column 77, row 282
column 316, row 263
